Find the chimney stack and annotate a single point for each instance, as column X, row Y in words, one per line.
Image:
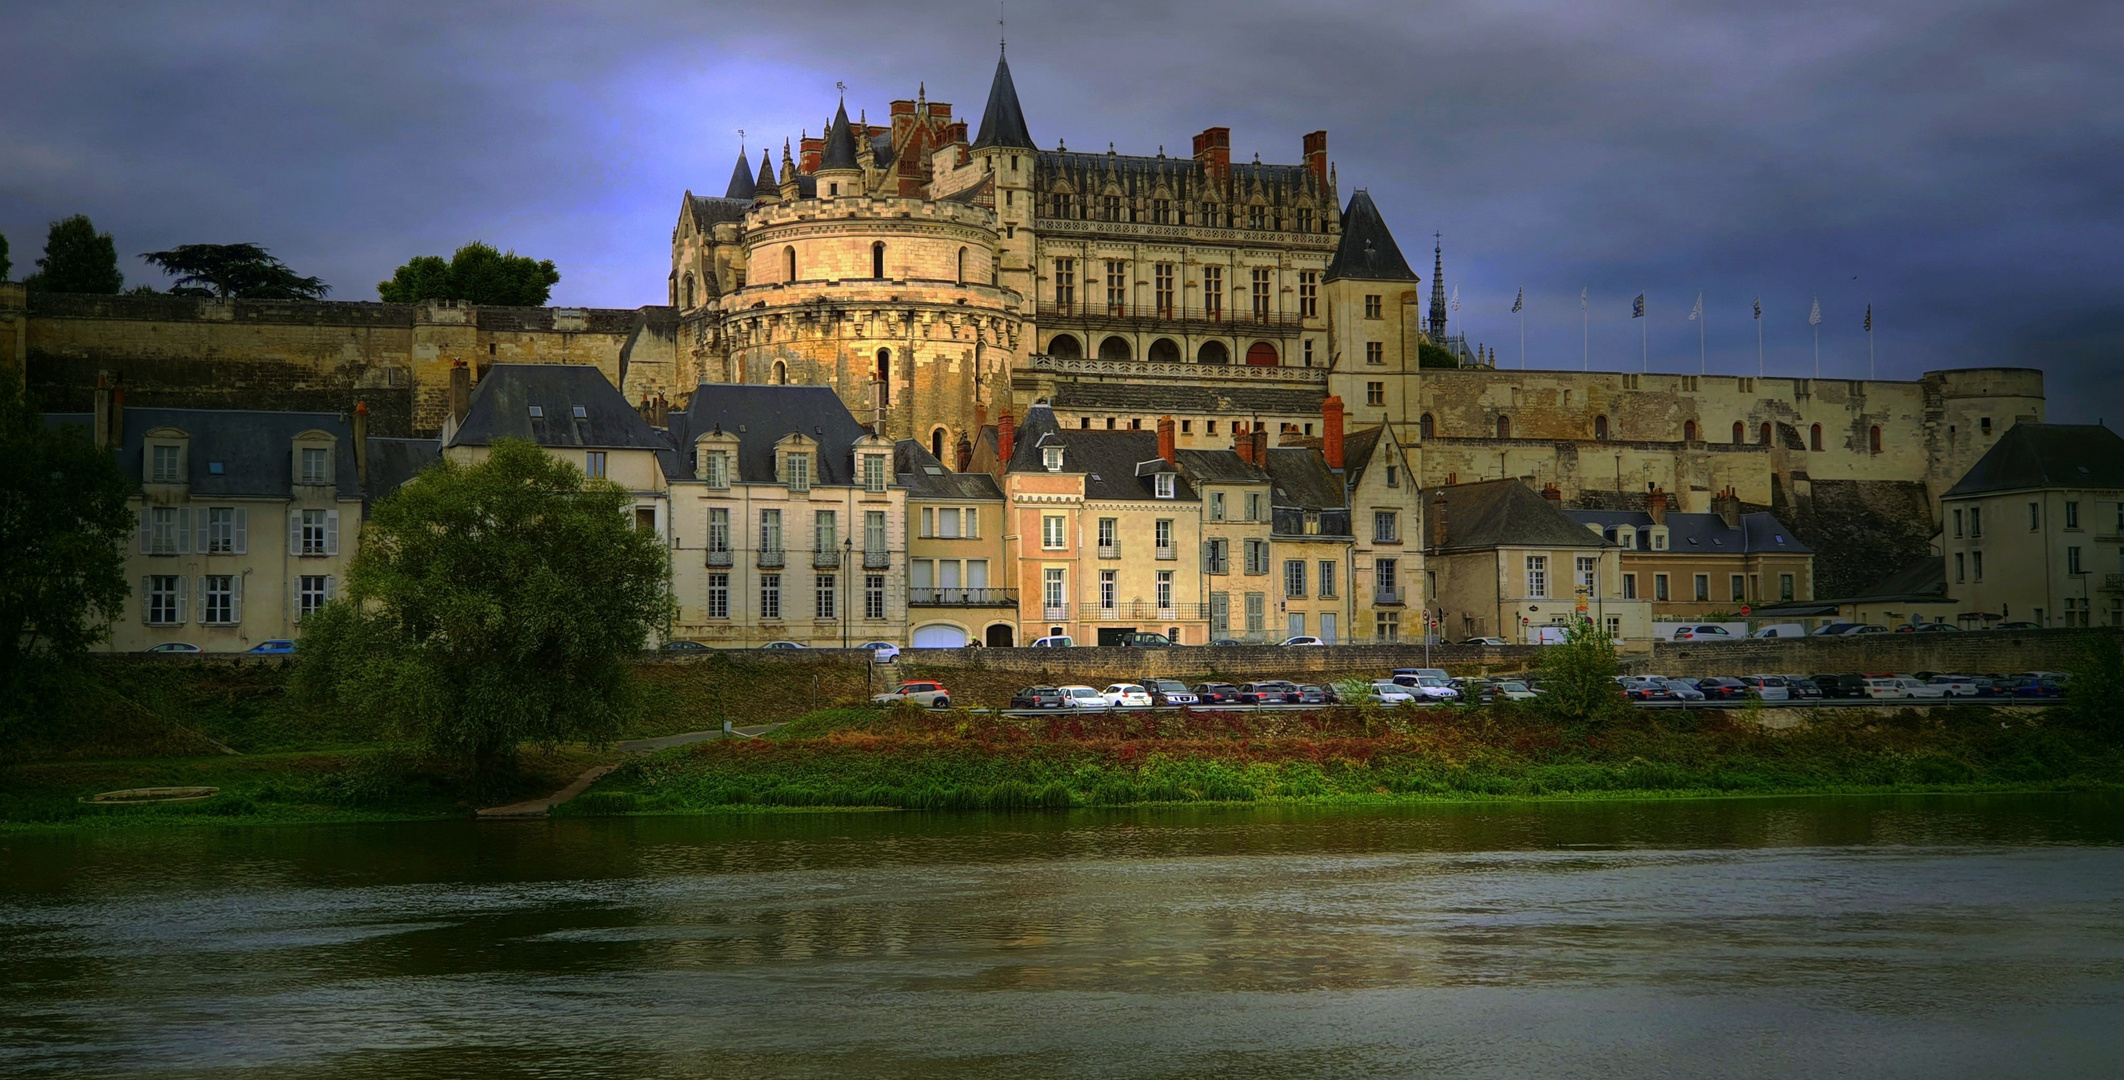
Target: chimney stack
column 1213, row 148
column 1260, row 437
column 1438, row 518
column 1331, row 415
column 1551, row 493
column 460, row 391
column 1241, row 444
column 1726, row 504
column 1006, row 437
column 1316, row 158
column 965, row 454
column 361, row 443
column 1656, row 505
column 1165, row 440
column 101, row 422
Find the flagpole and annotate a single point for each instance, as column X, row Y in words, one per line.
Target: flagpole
column 1585, row 338
column 1703, row 366
column 1522, row 337
column 1758, row 339
column 1644, row 357
column 1869, row 342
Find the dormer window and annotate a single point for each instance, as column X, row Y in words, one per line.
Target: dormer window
column 874, row 473
column 715, row 468
column 164, row 465
column 1165, row 485
column 1052, row 458
column 581, row 413
column 796, row 470
column 538, row 412
column 315, row 468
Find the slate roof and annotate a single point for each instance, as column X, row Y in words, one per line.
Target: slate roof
column 2047, row 455
column 1921, row 580
column 1109, row 460
column 1300, row 478
column 760, row 415
column 1497, row 513
column 1236, row 400
column 925, row 477
column 251, row 448
column 1367, row 251
column 708, row 210
column 1705, row 534
column 840, row 143
column 1219, row 467
column 1003, row 121
column 1358, row 448
column 392, row 462
column 741, row 186
column 503, row 399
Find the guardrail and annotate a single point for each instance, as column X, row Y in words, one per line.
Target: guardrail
column 955, row 597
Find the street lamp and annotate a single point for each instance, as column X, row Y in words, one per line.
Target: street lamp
column 847, row 572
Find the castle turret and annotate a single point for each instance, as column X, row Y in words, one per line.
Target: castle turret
column 765, row 189
column 1373, row 319
column 839, row 172
column 740, row 179
column 1003, row 150
column 1003, row 122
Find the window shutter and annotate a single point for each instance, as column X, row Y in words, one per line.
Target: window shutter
column 330, row 589
column 199, row 521
column 182, row 582
column 294, row 532
column 331, row 532
column 146, row 583
column 236, row 591
column 146, row 531
column 242, row 528
column 184, row 532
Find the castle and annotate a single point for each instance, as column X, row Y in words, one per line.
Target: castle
column 936, row 282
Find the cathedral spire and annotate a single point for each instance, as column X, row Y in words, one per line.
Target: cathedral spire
column 1437, row 327
column 840, row 143
column 740, row 178
column 1003, row 123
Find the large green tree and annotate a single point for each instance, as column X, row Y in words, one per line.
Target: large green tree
column 63, row 526
column 1578, row 677
column 77, row 259
column 492, row 605
column 243, row 271
column 476, row 274
column 5, row 265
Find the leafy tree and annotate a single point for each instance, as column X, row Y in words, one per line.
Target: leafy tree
column 1578, row 677
column 1435, row 356
column 476, row 274
column 490, row 605
column 2096, row 692
column 5, row 265
column 63, row 526
column 243, row 271
column 77, row 259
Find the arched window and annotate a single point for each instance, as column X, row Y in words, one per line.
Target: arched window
column 936, row 443
column 1213, row 352
column 1504, row 427
column 1115, row 348
column 781, row 373
column 1064, row 347
column 1600, row 427
column 1261, row 354
column 877, row 259
column 1163, row 351
column 689, row 289
column 1873, row 438
column 1426, row 427
column 962, row 266
column 1814, row 438
column 789, row 264
column 1740, row 433
column 884, row 377
column 1688, row 431
column 1763, row 435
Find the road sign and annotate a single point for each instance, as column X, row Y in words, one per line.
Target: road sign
column 1744, row 611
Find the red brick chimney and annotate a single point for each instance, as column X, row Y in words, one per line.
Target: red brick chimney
column 1260, row 437
column 1316, row 157
column 1438, row 518
column 965, row 454
column 1006, row 437
column 1242, row 445
column 1331, row 409
column 1656, row 506
column 1551, row 493
column 1165, row 440
column 1213, row 148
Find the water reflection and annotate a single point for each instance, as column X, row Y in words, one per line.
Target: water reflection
column 1887, row 936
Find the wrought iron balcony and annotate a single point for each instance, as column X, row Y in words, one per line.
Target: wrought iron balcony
column 877, row 560
column 1146, row 609
column 1109, row 551
column 1053, row 612
column 2113, row 582
column 825, row 560
column 719, row 558
column 1168, row 553
column 771, row 559
column 953, row 597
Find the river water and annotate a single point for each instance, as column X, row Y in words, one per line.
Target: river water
column 1929, row 936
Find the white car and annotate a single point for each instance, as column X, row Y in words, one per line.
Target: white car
column 782, row 645
column 1302, row 639
column 1430, row 688
column 1127, row 696
column 1955, row 685
column 1768, row 687
column 883, row 652
column 1082, row 697
column 1513, row 690
column 1902, row 687
column 1387, row 692
column 1059, row 641
column 1485, row 641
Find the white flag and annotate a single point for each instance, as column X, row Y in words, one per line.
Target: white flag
column 1814, row 318
column 1697, row 312
column 1456, row 298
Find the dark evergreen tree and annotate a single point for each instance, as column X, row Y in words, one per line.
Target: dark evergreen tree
column 476, row 274
column 77, row 259
column 242, row 271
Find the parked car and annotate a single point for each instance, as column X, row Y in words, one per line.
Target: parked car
column 1308, row 694
column 1435, row 672
column 176, row 647
column 1270, row 692
column 1429, row 687
column 1956, row 685
column 2017, row 625
column 1145, row 640
column 1511, row 690
column 2039, row 688
column 924, row 693
column 1058, row 641
column 882, row 652
column 1897, row 686
column 1082, row 697
column 1127, row 696
column 782, row 645
column 1385, row 692
column 1227, row 641
column 275, row 647
column 682, row 645
column 1682, row 689
column 1939, row 627
column 1722, row 688
column 1706, row 632
column 1169, row 692
column 1643, row 688
column 1302, row 639
column 1485, row 641
column 1800, row 686
column 1867, row 628
column 1217, row 693
column 1780, row 630
column 1037, row 697
column 1993, row 686
column 1767, row 687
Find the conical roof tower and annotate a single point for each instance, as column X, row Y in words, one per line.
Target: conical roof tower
column 840, row 143
column 1003, row 122
column 740, row 179
column 1367, row 250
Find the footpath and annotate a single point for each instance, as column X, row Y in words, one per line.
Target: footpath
column 537, row 808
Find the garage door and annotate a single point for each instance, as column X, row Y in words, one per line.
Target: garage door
column 939, row 637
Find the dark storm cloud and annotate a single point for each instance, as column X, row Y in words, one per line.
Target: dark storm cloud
column 1955, row 164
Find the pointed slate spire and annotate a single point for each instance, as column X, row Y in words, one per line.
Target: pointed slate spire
column 840, row 143
column 1003, row 122
column 1367, row 250
column 1438, row 296
column 765, row 184
column 740, row 179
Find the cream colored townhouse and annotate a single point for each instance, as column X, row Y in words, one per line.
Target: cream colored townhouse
column 787, row 522
column 1693, row 566
column 1502, row 561
column 960, row 586
column 1386, row 553
column 1236, row 554
column 2034, row 531
column 247, row 519
column 574, row 414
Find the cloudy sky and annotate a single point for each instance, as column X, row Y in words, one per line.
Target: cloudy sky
column 1957, row 164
